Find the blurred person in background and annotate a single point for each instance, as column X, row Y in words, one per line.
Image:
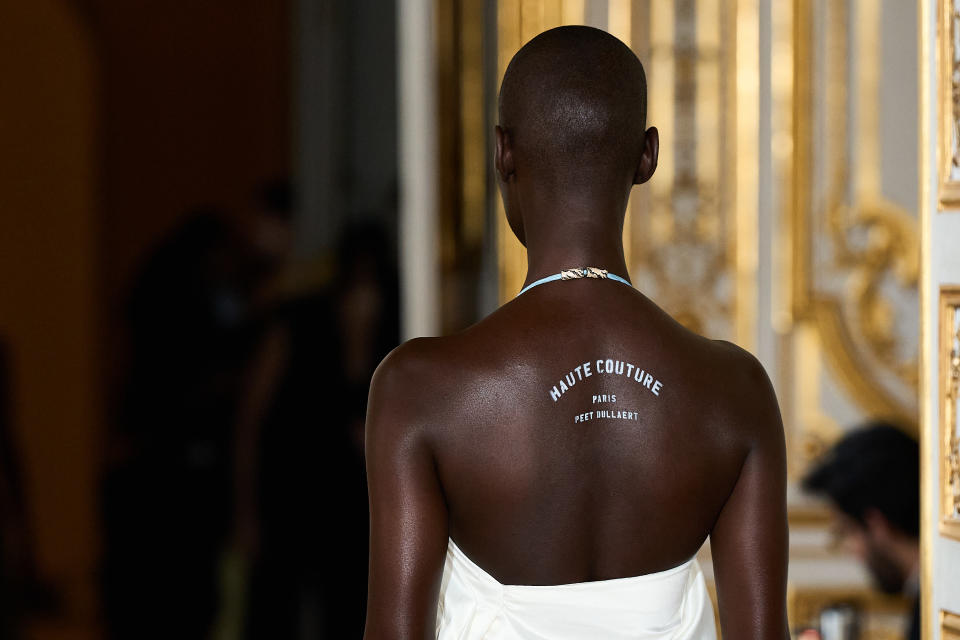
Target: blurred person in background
column 195, row 319
column 306, row 526
column 167, row 485
column 872, row 479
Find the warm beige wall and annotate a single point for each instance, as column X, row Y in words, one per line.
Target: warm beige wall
column 115, row 117
column 196, row 111
column 48, row 278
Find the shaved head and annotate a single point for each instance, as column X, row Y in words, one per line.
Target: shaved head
column 573, row 102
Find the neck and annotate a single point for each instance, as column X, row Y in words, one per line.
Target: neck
column 585, row 235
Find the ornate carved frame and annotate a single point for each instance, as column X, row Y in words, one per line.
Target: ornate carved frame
column 949, row 349
column 948, row 98
column 949, row 625
column 842, row 344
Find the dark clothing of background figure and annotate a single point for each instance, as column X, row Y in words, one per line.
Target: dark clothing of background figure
column 310, row 579
column 311, row 564
column 167, row 489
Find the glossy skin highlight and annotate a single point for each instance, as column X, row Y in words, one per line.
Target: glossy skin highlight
column 464, row 439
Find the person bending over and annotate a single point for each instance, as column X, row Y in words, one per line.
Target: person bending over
column 872, row 479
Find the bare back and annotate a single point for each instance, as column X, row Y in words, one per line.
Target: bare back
column 591, row 438
column 578, row 434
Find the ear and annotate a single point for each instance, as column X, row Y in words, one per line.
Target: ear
column 648, row 156
column 503, row 157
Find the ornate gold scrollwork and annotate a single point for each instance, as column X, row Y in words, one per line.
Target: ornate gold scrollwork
column 856, row 254
column 686, row 242
column 955, row 83
column 949, row 104
column 949, row 420
column 891, row 248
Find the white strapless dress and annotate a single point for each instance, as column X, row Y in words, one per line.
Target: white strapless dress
column 671, row 604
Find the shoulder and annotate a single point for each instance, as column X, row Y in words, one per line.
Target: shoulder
column 744, row 369
column 411, row 357
column 747, row 394
column 405, row 385
column 404, row 373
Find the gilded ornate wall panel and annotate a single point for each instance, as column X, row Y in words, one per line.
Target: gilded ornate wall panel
column 949, row 347
column 685, row 224
column 850, row 320
column 464, row 32
column 948, row 97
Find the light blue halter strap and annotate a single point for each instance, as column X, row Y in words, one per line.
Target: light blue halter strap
column 575, row 274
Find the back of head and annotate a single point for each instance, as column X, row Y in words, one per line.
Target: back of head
column 573, row 101
column 874, row 467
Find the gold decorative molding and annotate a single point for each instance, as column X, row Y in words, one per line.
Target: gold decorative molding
column 949, row 625
column 850, row 246
column 694, row 226
column 948, row 98
column 927, row 44
column 517, row 22
column 462, row 31
column 743, row 100
column 949, row 349
column 620, row 25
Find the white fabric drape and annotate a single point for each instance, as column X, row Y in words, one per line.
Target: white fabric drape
column 671, row 604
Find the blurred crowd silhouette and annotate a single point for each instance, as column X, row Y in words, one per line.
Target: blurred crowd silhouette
column 186, row 340
column 233, row 493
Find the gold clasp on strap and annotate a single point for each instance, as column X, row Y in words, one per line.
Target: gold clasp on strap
column 583, row 272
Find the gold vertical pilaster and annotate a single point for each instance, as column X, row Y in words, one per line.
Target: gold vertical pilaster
column 924, row 62
column 948, row 105
column 620, row 24
column 474, row 158
column 948, row 396
column 464, row 162
column 799, row 197
column 660, row 98
column 746, row 156
column 511, row 254
column 783, row 37
column 868, row 99
column 573, row 11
